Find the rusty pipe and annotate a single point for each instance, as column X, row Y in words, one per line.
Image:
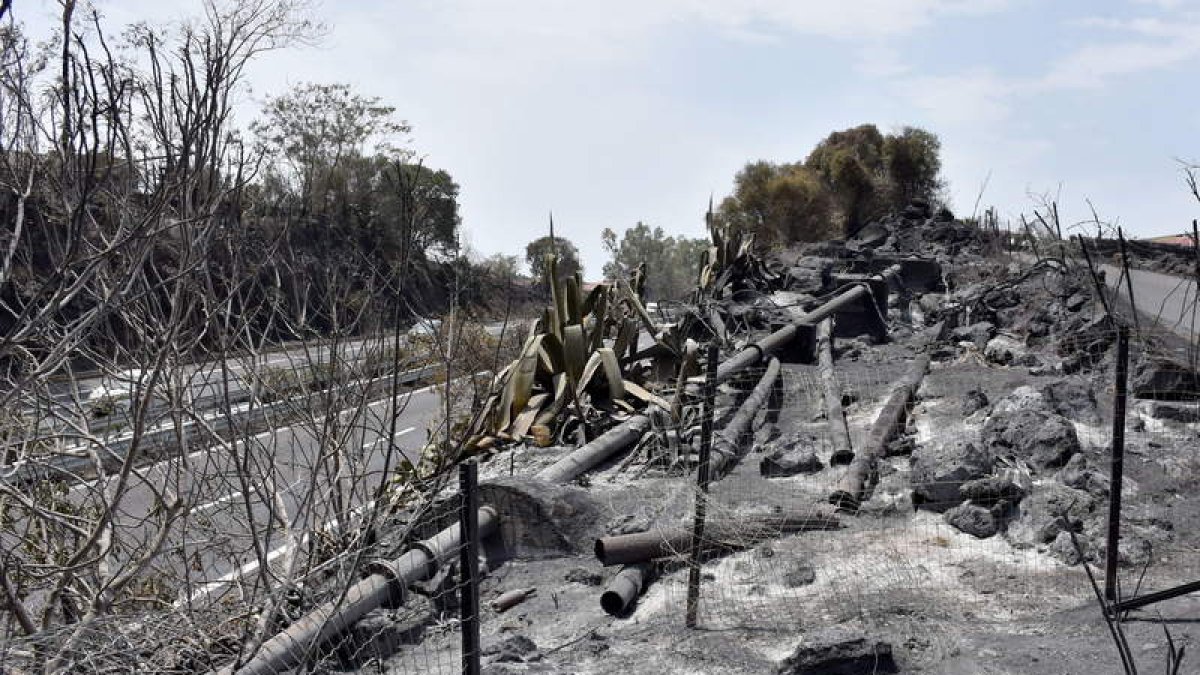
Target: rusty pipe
column 624, row 588
column 728, row 446
column 640, row 547
column 385, row 587
column 592, row 454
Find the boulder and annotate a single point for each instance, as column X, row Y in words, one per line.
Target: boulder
column 1006, row 351
column 1164, row 379
column 1048, row 511
column 978, row 333
column 940, row 468
column 1077, row 474
column 1064, row 548
column 991, row 490
column 1045, row 440
column 1073, row 398
column 975, row 520
column 1187, row 413
column 974, row 401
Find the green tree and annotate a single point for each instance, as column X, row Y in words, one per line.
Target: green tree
column 671, row 262
column 851, row 164
column 779, row 204
column 568, row 257
column 913, row 164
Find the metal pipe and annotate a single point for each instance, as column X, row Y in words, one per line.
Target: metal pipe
column 1112, row 550
column 728, row 447
column 839, row 433
column 624, row 588
column 592, row 454
column 849, row 491
column 386, row 587
column 596, row 452
column 673, row 541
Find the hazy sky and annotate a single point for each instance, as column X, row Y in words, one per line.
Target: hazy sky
column 612, row 112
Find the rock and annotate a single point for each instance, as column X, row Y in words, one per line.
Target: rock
column 990, row 490
column 783, row 463
column 1072, row 397
column 1163, row 379
column 1006, row 351
column 1048, row 511
column 902, row 445
column 1025, row 397
column 1087, row 341
column 839, row 650
column 1076, row 302
column 799, row 574
column 1078, row 475
column 974, row 520
column 1187, row 413
column 1064, row 548
column 871, row 236
column 514, row 648
column 938, row 469
column 974, row 401
column 978, row 333
column 1046, row 440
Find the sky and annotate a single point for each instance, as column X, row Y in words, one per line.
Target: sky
column 609, row 113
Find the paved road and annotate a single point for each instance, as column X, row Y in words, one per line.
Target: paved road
column 1163, row 300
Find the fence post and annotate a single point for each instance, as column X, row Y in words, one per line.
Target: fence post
column 1118, row 466
column 468, row 518
column 702, row 478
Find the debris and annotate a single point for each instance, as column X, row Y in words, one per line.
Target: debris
column 515, row 648
column 507, row 601
column 839, row 651
column 784, row 463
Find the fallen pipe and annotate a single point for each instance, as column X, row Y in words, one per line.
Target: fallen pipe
column 849, row 491
column 728, row 444
column 386, row 587
column 625, row 434
column 839, row 433
column 640, row 547
column 624, row 588
column 592, row 454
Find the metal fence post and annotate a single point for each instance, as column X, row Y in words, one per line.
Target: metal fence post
column 702, row 479
column 1118, row 466
column 468, row 484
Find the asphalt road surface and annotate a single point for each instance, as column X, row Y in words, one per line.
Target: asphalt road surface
column 1163, row 301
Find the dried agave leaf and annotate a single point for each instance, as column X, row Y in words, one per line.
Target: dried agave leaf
column 525, row 420
column 641, row 394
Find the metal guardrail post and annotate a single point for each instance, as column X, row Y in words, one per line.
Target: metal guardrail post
column 702, row 478
column 468, row 489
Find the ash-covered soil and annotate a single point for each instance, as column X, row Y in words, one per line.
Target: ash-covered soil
column 967, row 554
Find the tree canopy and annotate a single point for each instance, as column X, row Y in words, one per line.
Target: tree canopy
column 849, row 178
column 539, row 249
column 671, row 262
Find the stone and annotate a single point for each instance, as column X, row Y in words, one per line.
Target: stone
column 1005, row 351
column 1077, row 474
column 1045, row 440
column 974, row 401
column 515, row 648
column 1187, row 413
column 940, row 468
column 976, row 521
column 799, row 574
column 839, row 650
column 1048, row 511
column 1076, row 302
column 1025, row 397
column 978, row 333
column 1073, row 398
column 1063, row 548
column 990, row 490
column 1164, row 380
column 871, row 236
column 783, row 463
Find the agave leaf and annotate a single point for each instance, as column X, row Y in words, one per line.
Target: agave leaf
column 523, row 421
column 589, row 373
column 612, row 372
column 520, row 384
column 575, row 350
column 638, row 308
column 593, row 300
column 640, row 393
column 574, row 299
column 562, row 397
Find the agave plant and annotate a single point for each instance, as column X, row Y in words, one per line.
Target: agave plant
column 567, row 372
